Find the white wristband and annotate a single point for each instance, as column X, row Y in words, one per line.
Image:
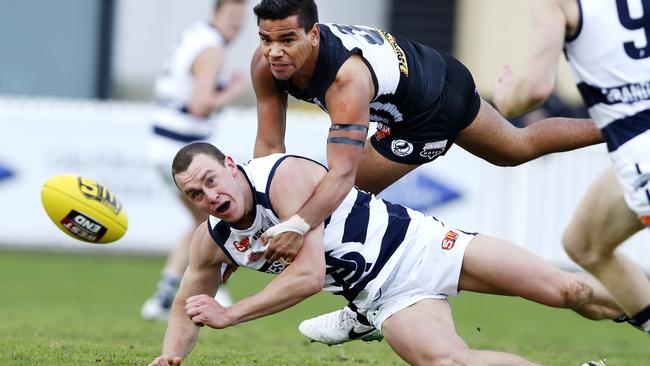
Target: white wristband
column 296, row 224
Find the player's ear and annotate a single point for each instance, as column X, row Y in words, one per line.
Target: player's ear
column 314, row 34
column 230, row 163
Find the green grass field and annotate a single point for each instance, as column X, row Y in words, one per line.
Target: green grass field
column 66, row 309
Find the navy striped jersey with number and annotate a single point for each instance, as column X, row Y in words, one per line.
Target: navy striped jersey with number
column 401, row 71
column 175, row 86
column 361, row 236
column 610, row 57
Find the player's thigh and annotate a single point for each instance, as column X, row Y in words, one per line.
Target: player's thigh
column 424, row 332
column 496, row 266
column 376, row 172
column 491, row 137
column 603, row 220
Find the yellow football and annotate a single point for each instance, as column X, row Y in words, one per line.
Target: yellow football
column 84, row 209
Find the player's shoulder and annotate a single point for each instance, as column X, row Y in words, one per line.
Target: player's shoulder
column 203, row 249
column 203, row 33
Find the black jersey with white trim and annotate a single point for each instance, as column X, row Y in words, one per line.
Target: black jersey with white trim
column 408, row 77
column 361, row 236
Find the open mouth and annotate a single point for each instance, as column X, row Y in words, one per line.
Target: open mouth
column 223, row 208
column 279, row 66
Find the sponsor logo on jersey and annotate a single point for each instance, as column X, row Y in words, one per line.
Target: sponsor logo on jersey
column 399, row 52
column 95, row 191
column 401, row 147
column 242, row 245
column 382, row 131
column 276, row 267
column 255, row 256
column 385, row 113
column 645, row 220
column 432, row 149
column 628, row 93
column 83, row 226
column 450, row 240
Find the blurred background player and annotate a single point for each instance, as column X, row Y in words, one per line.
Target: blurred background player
column 606, row 42
column 191, row 91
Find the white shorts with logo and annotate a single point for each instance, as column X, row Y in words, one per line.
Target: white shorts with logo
column 429, row 268
column 632, row 163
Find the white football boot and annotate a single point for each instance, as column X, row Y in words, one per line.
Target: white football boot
column 595, row 363
column 338, row 327
column 154, row 309
column 223, row 297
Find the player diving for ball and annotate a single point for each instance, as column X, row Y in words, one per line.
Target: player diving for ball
column 396, row 265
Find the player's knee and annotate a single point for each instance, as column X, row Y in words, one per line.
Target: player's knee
column 450, row 358
column 575, row 292
column 581, row 250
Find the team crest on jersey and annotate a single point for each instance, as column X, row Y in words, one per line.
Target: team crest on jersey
column 432, row 149
column 242, row 245
column 401, row 147
column 450, row 240
column 382, row 131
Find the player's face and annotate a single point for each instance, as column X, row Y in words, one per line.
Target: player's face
column 230, row 18
column 213, row 187
column 287, row 47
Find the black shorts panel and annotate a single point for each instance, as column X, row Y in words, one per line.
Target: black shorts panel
column 421, row 138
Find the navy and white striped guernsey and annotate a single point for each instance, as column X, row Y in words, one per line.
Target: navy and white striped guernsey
column 610, row 57
column 361, row 236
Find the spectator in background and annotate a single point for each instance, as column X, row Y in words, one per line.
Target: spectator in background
column 610, row 57
column 191, row 90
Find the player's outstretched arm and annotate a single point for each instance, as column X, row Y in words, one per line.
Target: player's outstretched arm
column 347, row 101
column 271, row 109
column 201, row 277
column 516, row 95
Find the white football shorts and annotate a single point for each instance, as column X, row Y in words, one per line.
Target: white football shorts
column 429, row 269
column 632, row 163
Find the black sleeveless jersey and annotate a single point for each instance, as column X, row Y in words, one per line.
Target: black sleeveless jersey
column 408, row 76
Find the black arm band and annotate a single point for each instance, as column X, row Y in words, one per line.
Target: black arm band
column 344, row 127
column 345, row 140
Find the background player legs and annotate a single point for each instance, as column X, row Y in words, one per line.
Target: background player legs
column 375, row 172
column 495, row 266
column 424, row 334
column 600, row 224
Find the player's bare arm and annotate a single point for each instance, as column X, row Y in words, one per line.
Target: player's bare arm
column 347, row 101
column 271, row 109
column 552, row 21
column 205, row 70
column 201, row 277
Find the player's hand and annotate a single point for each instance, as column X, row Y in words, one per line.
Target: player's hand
column 205, row 310
column 167, row 361
column 502, row 88
column 283, row 246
